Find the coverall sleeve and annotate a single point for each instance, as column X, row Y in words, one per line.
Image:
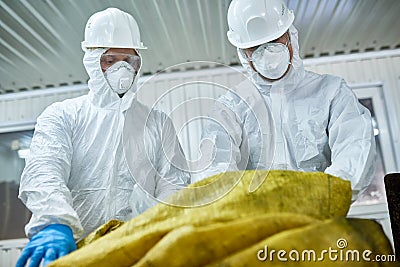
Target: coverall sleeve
column 351, row 141
column 173, row 173
column 43, row 186
column 221, row 140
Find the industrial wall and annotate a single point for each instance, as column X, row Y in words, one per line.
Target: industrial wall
column 383, row 66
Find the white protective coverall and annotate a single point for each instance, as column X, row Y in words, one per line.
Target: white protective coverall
column 319, row 125
column 77, row 173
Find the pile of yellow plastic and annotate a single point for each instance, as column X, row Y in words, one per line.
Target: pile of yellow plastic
column 292, row 218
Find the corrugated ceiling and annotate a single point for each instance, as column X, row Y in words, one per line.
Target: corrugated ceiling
column 40, row 39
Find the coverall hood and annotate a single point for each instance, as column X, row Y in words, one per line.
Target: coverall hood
column 101, row 94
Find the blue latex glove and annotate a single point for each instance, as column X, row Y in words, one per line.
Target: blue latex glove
column 53, row 242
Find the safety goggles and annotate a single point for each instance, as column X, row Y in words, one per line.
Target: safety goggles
column 107, row 60
column 272, row 47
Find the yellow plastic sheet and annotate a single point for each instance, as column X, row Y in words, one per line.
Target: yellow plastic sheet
column 310, row 199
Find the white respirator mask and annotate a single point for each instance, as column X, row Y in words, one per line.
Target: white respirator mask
column 272, row 64
column 271, row 60
column 120, row 76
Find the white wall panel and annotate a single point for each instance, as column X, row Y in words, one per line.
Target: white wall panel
column 22, row 109
column 10, row 251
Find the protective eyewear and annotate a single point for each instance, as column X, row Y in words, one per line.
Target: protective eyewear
column 107, row 60
column 272, row 47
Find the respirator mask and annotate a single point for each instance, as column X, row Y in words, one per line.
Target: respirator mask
column 271, row 60
column 120, row 70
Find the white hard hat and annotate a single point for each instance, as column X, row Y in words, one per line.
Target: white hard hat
column 112, row 28
column 255, row 22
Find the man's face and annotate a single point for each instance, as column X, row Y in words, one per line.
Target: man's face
column 284, row 39
column 114, row 55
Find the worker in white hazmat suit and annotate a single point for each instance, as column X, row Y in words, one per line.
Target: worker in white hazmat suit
column 311, row 122
column 79, row 173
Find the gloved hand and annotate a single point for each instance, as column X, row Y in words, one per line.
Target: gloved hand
column 53, row 242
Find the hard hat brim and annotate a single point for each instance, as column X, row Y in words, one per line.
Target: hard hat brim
column 85, row 45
